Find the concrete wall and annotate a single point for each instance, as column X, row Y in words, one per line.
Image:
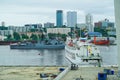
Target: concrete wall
column 117, row 22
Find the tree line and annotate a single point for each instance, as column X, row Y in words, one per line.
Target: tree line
column 19, row 37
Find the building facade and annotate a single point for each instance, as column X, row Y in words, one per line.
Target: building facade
column 48, row 25
column 33, row 26
column 17, row 28
column 89, row 22
column 59, row 18
column 59, row 30
column 6, row 32
column 104, row 24
column 71, row 18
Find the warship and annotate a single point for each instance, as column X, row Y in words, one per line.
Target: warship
column 44, row 44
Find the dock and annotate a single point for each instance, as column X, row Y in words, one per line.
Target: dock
column 30, row 72
column 89, row 73
column 56, row 72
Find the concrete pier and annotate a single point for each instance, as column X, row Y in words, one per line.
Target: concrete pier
column 89, row 73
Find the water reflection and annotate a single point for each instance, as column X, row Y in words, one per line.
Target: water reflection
column 49, row 57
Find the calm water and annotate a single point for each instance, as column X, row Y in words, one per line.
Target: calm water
column 48, row 57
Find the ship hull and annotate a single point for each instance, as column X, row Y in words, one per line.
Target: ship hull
column 103, row 41
column 71, row 57
column 81, row 53
column 52, row 44
column 37, row 47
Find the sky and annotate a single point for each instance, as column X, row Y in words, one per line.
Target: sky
column 20, row 12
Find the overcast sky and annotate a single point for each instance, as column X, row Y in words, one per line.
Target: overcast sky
column 20, row 12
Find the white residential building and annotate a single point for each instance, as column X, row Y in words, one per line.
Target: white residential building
column 71, row 18
column 6, row 32
column 2, row 38
column 89, row 22
column 58, row 30
column 18, row 28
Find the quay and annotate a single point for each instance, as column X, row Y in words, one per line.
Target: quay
column 30, row 72
column 56, row 72
column 90, row 73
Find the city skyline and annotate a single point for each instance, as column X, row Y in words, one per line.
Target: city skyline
column 19, row 12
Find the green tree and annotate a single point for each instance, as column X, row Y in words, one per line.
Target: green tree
column 101, row 30
column 33, row 30
column 16, row 36
column 63, row 36
column 34, row 37
column 51, row 35
column 70, row 33
column 39, row 37
column 24, row 36
column 45, row 30
column 97, row 29
column 104, row 32
column 9, row 38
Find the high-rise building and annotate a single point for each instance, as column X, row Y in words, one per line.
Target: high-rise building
column 117, row 21
column 59, row 18
column 89, row 22
column 71, row 19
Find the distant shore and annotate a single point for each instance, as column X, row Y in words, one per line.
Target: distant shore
column 11, row 42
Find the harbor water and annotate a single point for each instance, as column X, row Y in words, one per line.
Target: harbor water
column 47, row 57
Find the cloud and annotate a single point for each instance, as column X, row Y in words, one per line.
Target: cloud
column 45, row 10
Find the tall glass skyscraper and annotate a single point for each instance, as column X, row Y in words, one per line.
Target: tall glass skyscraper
column 59, row 18
column 71, row 18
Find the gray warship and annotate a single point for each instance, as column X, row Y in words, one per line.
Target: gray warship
column 44, row 44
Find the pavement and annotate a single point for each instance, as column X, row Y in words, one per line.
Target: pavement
column 33, row 73
column 27, row 73
column 89, row 73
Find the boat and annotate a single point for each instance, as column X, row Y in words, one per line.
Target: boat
column 44, row 44
column 7, row 42
column 80, row 52
column 102, row 41
column 12, row 42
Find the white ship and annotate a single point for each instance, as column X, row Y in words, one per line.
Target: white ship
column 81, row 52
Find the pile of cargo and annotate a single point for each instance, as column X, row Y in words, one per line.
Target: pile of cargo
column 107, row 74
